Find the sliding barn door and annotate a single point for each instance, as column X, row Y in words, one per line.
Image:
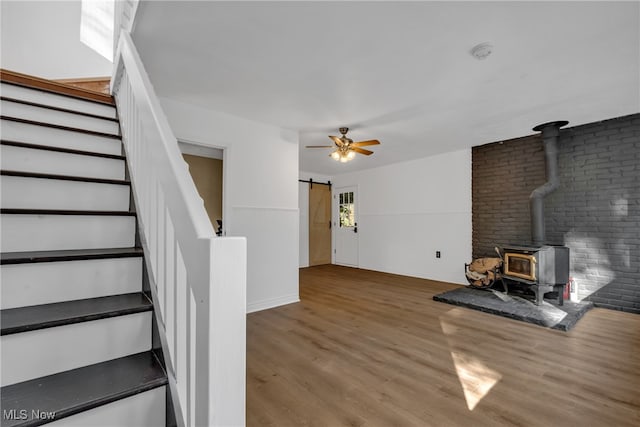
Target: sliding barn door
column 319, row 224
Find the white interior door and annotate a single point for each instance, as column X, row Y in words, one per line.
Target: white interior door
column 345, row 208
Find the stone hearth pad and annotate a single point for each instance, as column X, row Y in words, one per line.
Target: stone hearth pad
column 516, row 307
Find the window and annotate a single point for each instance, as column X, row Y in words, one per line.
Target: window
column 347, row 210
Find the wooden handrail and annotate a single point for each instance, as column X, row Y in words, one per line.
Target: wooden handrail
column 54, row 87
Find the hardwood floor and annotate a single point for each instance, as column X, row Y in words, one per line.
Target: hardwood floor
column 364, row 348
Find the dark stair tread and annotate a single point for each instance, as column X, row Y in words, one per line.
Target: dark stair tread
column 68, row 255
column 54, row 108
column 64, row 177
column 60, row 149
column 12, row 211
column 24, row 319
column 70, row 392
column 61, row 127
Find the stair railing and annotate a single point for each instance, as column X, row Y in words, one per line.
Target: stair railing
column 198, row 280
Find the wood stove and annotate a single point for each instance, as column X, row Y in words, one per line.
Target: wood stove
column 542, row 268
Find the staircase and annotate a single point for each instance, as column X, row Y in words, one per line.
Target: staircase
column 79, row 343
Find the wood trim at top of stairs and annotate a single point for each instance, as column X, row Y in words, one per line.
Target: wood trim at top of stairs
column 95, row 84
column 12, row 77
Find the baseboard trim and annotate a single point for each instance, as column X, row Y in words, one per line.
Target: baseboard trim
column 272, row 303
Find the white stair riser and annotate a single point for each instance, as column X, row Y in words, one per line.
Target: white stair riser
column 54, row 162
column 48, row 351
column 146, row 409
column 49, row 282
column 43, row 135
column 42, row 193
column 46, row 115
column 58, row 232
column 60, row 101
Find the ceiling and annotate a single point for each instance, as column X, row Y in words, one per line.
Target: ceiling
column 400, row 72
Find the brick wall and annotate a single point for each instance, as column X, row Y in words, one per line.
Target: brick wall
column 596, row 210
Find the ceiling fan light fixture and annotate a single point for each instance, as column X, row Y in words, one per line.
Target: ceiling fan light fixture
column 345, row 149
column 343, row 156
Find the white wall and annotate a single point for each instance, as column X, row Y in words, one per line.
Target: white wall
column 42, row 38
column 260, row 195
column 303, row 206
column 410, row 210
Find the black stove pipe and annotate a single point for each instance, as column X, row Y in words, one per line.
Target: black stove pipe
column 550, row 132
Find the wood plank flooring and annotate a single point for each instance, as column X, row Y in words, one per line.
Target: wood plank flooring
column 364, row 348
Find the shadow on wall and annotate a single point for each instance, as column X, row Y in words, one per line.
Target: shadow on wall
column 596, row 210
column 590, row 264
column 602, row 259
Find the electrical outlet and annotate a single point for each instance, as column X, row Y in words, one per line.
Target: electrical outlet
column 437, row 254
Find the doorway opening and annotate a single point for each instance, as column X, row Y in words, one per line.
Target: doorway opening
column 206, row 167
column 345, row 206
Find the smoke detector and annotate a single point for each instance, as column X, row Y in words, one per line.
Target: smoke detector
column 482, row 50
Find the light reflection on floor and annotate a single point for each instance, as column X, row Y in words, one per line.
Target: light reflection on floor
column 475, row 377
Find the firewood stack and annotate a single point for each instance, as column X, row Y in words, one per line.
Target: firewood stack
column 483, row 272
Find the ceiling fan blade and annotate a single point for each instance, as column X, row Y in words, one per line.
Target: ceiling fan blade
column 361, row 151
column 365, row 143
column 337, row 140
column 320, row 146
